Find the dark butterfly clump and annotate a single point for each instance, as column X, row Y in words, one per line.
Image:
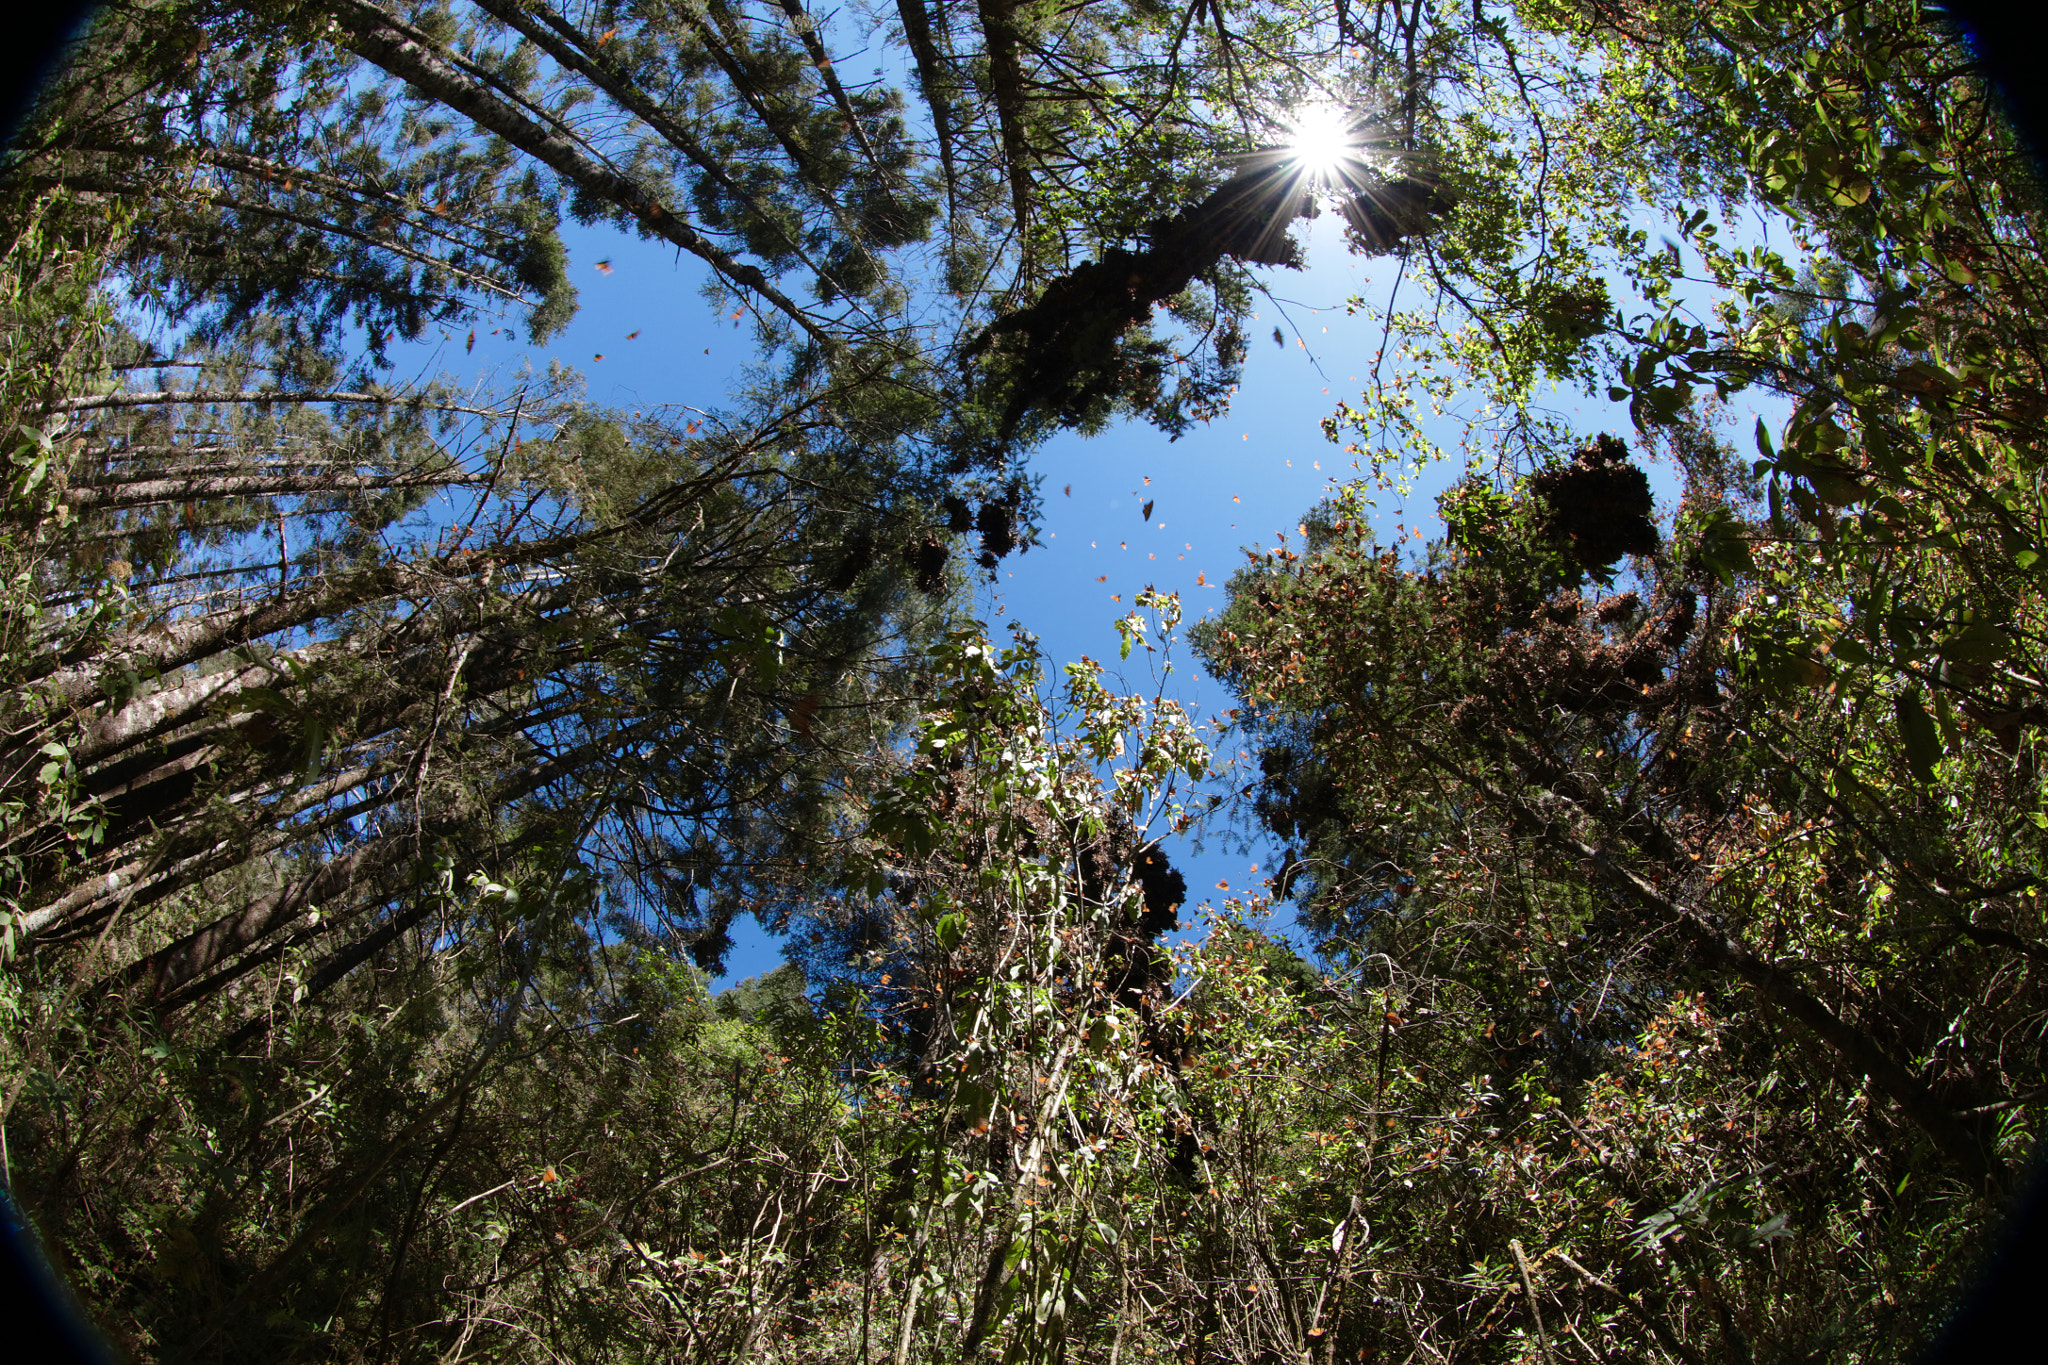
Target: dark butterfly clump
column 997, row 523
column 1605, row 659
column 1163, row 888
column 711, row 945
column 855, row 554
column 1598, row 506
column 926, row 558
column 1070, row 353
column 996, row 520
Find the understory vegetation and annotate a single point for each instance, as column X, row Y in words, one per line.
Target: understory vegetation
column 385, row 763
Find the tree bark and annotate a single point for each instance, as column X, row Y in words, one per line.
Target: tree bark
column 156, row 491
column 1006, row 88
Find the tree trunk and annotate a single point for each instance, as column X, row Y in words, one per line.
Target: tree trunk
column 176, row 965
column 152, row 492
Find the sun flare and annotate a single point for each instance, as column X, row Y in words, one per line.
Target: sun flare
column 1320, row 137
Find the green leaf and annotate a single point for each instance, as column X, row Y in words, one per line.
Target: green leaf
column 1779, row 1225
column 1723, row 546
column 264, row 699
column 1851, row 192
column 1980, row 640
column 1851, row 651
column 1783, row 666
column 1923, row 741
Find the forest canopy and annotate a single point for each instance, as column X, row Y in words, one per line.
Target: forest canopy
column 387, row 762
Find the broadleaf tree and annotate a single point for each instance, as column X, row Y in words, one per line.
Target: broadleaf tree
column 386, row 760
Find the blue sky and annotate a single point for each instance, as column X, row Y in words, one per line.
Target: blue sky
column 644, row 335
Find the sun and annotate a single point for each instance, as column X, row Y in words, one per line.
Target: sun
column 1321, row 139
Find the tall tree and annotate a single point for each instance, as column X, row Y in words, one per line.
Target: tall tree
column 375, row 753
column 1783, row 770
